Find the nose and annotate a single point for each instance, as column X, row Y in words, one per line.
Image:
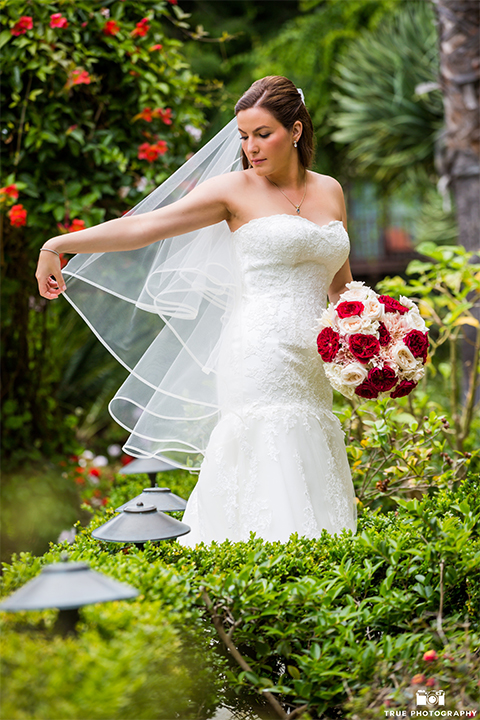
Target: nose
column 252, row 146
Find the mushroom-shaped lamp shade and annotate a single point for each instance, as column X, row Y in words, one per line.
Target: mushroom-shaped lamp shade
column 160, row 497
column 66, row 586
column 149, row 466
column 139, row 523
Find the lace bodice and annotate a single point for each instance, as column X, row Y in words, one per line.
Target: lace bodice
column 286, row 264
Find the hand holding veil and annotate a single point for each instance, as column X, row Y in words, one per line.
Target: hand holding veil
column 160, row 310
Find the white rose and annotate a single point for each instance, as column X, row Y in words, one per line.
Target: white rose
column 374, row 310
column 334, row 376
column 416, row 373
column 356, row 324
column 353, row 374
column 356, row 291
column 415, row 320
column 403, row 357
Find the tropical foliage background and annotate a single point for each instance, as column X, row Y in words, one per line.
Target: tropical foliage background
column 101, row 102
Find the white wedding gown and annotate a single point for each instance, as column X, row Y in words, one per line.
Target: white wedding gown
column 276, row 462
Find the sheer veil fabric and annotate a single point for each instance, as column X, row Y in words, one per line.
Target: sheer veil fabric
column 161, row 311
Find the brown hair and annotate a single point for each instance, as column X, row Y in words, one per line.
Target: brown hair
column 280, row 97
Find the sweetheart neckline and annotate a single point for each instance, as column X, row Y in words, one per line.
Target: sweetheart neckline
column 296, row 217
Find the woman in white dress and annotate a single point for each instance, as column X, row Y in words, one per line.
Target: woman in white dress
column 274, row 456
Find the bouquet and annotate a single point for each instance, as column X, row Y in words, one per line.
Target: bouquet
column 372, row 345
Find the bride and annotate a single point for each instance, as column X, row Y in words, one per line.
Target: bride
column 217, row 325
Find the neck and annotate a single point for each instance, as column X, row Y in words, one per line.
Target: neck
column 291, row 177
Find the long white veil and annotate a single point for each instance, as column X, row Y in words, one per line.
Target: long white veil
column 160, row 310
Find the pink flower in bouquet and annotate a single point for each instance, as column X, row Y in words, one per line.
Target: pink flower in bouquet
column 328, row 342
column 363, row 347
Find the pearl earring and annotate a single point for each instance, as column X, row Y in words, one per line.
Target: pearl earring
column 294, row 143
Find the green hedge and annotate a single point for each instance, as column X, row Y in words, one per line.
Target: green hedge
column 340, row 624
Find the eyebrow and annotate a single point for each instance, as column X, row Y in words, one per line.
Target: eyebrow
column 261, row 127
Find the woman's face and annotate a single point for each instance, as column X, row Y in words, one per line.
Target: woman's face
column 267, row 143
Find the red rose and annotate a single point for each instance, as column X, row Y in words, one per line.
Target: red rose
column 417, row 343
column 366, row 390
column 403, row 388
column 392, row 305
column 385, row 336
column 328, row 342
column 363, row 347
column 347, row 309
column 95, row 472
column 383, row 379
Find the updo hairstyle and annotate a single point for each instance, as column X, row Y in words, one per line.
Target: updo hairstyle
column 281, row 98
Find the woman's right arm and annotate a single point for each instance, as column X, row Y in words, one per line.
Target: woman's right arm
column 203, row 206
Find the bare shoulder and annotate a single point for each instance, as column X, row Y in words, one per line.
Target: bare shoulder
column 326, row 183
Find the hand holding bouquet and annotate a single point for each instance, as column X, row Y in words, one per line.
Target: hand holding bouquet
column 372, row 345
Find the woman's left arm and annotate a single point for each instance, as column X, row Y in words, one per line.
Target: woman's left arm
column 344, row 275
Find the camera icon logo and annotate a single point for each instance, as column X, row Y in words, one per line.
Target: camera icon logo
column 431, row 698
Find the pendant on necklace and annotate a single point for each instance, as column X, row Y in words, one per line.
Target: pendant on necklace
column 297, row 207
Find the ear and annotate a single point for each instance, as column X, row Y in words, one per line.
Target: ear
column 297, row 130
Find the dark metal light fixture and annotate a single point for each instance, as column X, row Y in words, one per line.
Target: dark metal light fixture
column 161, row 497
column 67, row 586
column 149, row 466
column 139, row 523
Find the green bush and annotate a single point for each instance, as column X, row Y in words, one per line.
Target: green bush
column 323, row 623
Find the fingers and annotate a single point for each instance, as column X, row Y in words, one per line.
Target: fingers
column 50, row 288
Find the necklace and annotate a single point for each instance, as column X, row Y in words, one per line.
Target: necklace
column 297, row 207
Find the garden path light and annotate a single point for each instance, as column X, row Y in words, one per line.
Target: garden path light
column 149, row 466
column 139, row 523
column 161, row 497
column 67, row 586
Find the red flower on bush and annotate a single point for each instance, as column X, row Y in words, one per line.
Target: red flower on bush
column 403, row 388
column 392, row 305
column 348, row 309
column 21, row 26
column 173, row 2
column 328, row 342
column 363, row 347
column 63, row 260
column 417, row 343
column 418, row 679
column 8, row 192
column 95, row 472
column 430, row 656
column 151, row 152
column 385, row 336
column 141, row 28
column 17, row 215
column 148, row 114
column 79, row 77
column 155, row 47
column 125, row 459
column 383, row 379
column 58, row 21
column 76, row 225
column 366, row 390
column 111, row 27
